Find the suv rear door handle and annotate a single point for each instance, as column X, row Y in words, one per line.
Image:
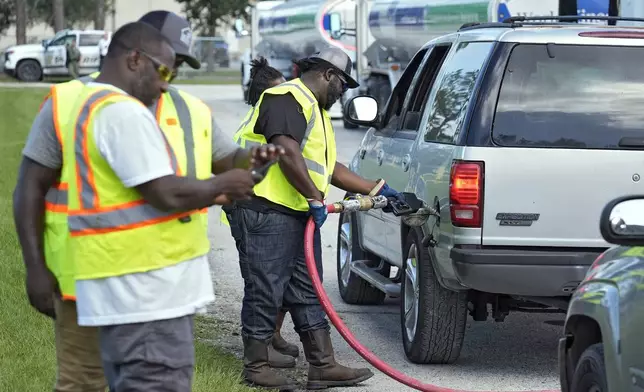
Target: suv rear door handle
column 381, row 155
column 406, row 162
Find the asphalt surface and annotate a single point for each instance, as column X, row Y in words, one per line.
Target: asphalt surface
column 518, row 354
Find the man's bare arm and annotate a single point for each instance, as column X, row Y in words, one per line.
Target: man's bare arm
column 294, row 168
column 173, row 193
column 34, row 181
column 347, row 180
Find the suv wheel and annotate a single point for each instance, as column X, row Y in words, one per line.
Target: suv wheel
column 432, row 317
column 29, row 71
column 354, row 289
column 590, row 374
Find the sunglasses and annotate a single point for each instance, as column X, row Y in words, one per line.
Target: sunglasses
column 345, row 85
column 165, row 72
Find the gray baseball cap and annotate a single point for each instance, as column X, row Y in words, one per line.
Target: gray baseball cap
column 335, row 58
column 176, row 29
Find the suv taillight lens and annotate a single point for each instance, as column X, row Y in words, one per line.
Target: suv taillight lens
column 295, row 71
column 466, row 193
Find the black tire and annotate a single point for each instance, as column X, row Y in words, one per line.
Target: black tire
column 442, row 314
column 590, row 371
column 29, row 71
column 357, row 291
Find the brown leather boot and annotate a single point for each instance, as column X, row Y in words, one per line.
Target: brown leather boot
column 281, row 345
column 278, row 360
column 257, row 372
column 324, row 371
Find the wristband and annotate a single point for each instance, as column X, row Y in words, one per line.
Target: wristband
column 376, row 189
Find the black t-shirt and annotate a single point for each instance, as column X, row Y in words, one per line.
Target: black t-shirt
column 279, row 115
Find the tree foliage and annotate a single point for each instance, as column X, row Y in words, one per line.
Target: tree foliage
column 78, row 13
column 207, row 15
column 7, row 14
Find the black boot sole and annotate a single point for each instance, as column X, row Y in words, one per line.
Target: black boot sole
column 315, row 385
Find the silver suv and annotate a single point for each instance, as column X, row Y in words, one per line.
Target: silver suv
column 518, row 134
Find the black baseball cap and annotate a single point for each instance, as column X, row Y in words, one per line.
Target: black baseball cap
column 334, row 58
column 176, row 29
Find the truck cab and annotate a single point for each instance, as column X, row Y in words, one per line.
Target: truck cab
column 30, row 63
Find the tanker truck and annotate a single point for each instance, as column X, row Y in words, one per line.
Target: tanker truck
column 390, row 32
column 289, row 30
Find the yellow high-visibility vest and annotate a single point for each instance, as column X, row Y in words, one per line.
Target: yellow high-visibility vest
column 55, row 228
column 318, row 148
column 113, row 231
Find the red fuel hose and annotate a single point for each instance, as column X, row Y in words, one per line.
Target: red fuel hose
column 346, row 333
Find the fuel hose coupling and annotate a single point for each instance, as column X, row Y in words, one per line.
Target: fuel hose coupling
column 360, row 203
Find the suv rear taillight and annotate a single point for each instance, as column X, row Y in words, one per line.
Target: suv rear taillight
column 466, row 193
column 295, row 71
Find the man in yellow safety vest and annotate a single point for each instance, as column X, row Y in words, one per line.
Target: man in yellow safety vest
column 198, row 148
column 269, row 228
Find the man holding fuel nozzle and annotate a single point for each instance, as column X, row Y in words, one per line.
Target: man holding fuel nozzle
column 269, row 228
column 40, row 210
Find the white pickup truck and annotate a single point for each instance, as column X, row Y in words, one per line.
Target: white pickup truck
column 31, row 62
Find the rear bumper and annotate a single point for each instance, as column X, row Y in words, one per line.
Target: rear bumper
column 522, row 272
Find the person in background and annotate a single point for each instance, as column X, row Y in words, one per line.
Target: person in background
column 73, row 59
column 269, row 228
column 103, row 44
column 281, row 354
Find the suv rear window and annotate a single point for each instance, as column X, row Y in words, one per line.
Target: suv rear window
column 569, row 96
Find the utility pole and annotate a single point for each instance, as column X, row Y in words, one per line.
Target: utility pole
column 59, row 15
column 21, row 22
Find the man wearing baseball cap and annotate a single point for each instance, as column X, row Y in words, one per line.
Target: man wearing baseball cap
column 269, row 228
column 183, row 118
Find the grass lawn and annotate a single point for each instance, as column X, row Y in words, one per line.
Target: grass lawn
column 27, row 356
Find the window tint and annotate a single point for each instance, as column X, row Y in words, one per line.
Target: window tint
column 451, row 102
column 63, row 40
column 566, row 96
column 397, row 97
column 90, row 39
column 423, row 80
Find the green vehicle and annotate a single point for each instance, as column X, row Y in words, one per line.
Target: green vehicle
column 602, row 349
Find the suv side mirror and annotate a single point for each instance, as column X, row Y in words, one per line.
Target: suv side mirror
column 622, row 221
column 361, row 110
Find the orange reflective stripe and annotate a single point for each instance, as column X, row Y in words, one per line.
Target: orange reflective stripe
column 66, row 297
column 56, row 198
column 91, row 217
column 173, row 158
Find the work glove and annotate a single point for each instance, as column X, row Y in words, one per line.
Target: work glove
column 317, row 209
column 382, row 189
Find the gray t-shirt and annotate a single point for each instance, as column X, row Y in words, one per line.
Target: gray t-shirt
column 43, row 147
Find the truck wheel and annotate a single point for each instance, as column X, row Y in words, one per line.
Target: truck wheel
column 590, row 374
column 29, row 71
column 432, row 318
column 353, row 289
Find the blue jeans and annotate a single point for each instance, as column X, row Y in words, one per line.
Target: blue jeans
column 271, row 259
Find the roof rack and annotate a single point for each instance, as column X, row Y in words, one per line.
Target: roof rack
column 570, row 18
column 487, row 25
column 518, row 21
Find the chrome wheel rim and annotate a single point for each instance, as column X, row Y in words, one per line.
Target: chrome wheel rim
column 411, row 294
column 345, row 250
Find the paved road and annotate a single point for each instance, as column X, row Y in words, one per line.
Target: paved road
column 519, row 354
